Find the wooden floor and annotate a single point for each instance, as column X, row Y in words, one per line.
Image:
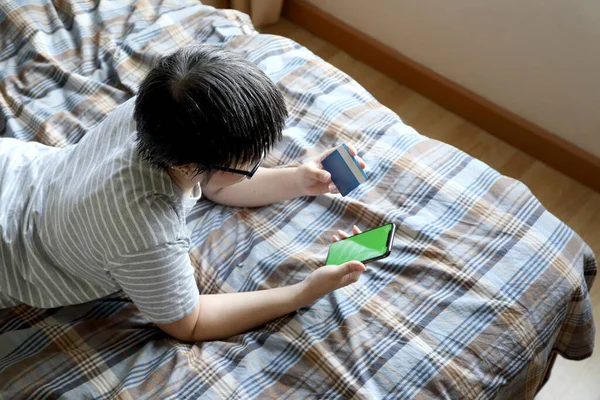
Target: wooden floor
column 573, row 203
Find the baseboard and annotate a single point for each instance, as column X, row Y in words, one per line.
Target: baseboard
column 530, row 138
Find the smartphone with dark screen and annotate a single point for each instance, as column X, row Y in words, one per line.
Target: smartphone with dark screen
column 367, row 246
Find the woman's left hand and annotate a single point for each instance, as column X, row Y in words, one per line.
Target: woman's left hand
column 314, row 180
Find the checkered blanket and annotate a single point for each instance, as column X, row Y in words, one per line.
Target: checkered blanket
column 483, row 287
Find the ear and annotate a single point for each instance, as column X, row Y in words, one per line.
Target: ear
column 186, row 169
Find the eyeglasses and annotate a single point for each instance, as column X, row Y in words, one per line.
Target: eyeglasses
column 248, row 174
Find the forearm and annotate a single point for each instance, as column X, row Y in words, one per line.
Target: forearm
column 219, row 316
column 224, row 315
column 267, row 186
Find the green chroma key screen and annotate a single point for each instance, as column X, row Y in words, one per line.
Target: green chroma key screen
column 362, row 247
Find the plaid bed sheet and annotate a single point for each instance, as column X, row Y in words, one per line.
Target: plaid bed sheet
column 483, row 287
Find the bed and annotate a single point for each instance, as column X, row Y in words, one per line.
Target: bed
column 484, row 287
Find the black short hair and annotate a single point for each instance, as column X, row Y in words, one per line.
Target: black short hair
column 209, row 107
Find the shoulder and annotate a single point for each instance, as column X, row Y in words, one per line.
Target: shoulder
column 152, row 220
column 161, row 255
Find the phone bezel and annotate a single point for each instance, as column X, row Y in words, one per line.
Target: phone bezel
column 389, row 244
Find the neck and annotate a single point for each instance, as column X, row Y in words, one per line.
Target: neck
column 185, row 184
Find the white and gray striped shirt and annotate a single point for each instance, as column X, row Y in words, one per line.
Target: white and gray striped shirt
column 88, row 220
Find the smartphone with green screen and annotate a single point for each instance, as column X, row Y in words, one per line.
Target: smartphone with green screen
column 368, row 246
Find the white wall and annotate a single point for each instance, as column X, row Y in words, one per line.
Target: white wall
column 537, row 58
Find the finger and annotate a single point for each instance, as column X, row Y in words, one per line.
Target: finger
column 356, row 230
column 343, row 234
column 319, row 174
column 353, row 266
column 350, row 279
column 332, row 188
column 318, row 189
column 361, row 162
column 335, row 238
column 352, row 149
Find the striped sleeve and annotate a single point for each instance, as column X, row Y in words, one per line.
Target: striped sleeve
column 160, row 281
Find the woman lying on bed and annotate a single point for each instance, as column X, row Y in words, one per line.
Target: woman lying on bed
column 109, row 214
